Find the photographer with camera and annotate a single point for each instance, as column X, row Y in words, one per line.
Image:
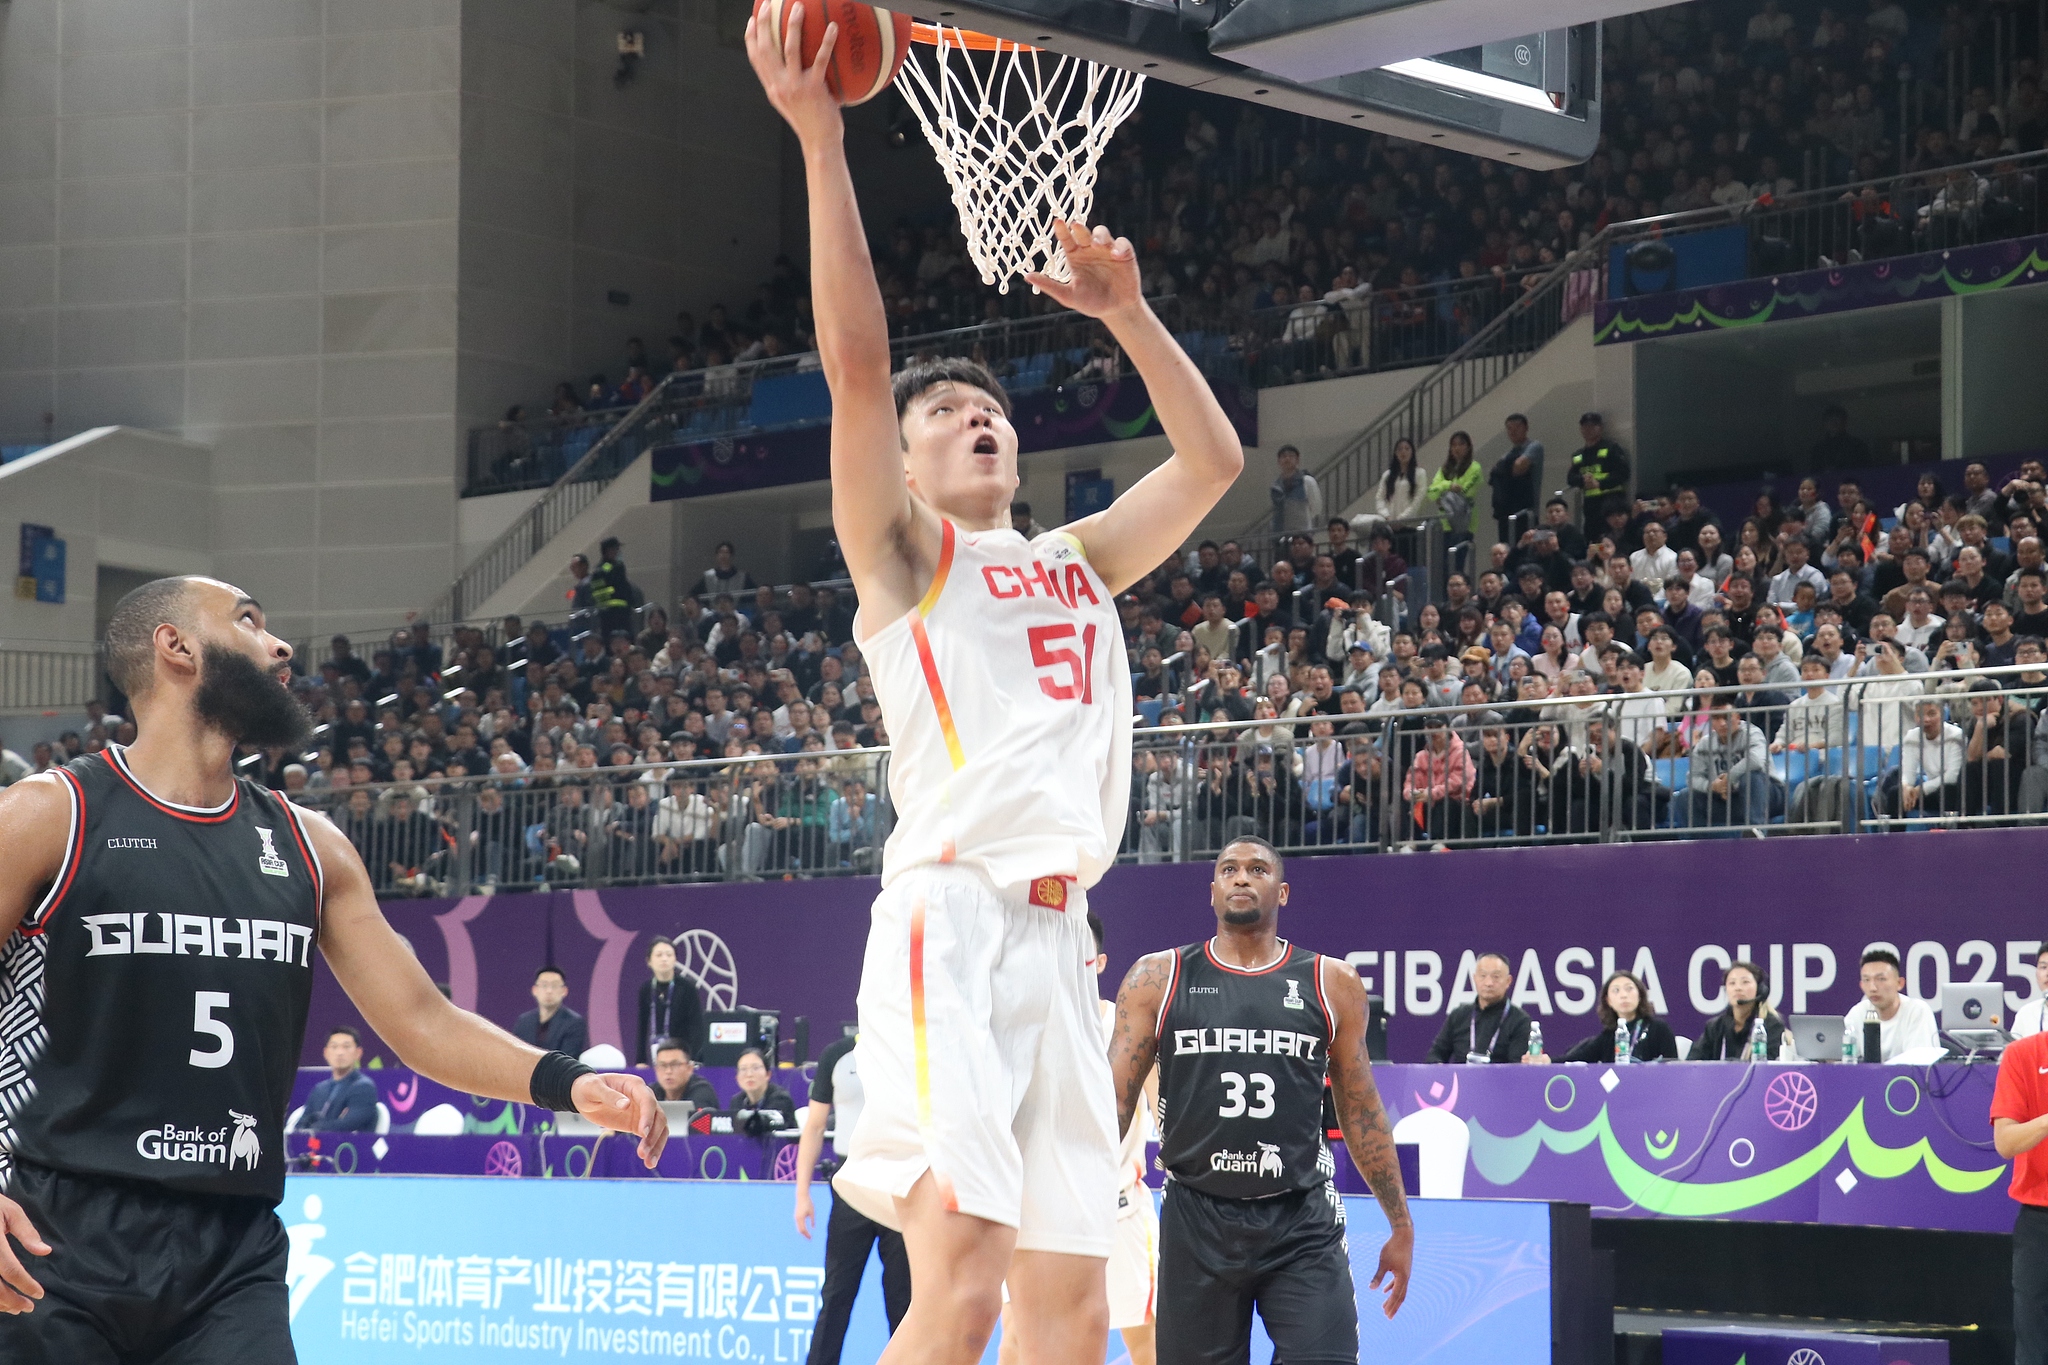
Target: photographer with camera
column 761, row 1107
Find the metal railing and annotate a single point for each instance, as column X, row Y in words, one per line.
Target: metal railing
column 1835, row 224
column 48, row 679
column 1546, row 305
column 1983, row 201
column 1874, row 754
column 579, row 486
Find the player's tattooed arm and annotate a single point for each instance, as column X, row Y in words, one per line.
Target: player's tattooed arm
column 1134, row 1042
column 1367, row 1135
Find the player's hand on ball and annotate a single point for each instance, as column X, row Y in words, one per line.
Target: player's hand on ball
column 798, row 92
column 1105, row 271
column 623, row 1104
column 18, row 1288
column 1395, row 1258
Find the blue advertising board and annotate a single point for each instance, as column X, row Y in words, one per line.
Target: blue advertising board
column 459, row 1269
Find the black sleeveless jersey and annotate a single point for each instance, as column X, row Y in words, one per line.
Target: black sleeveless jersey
column 1242, row 1058
column 153, row 1004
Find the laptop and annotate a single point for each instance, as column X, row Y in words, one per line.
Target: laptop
column 1973, row 1015
column 1817, row 1037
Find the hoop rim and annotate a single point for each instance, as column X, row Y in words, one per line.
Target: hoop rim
column 965, row 38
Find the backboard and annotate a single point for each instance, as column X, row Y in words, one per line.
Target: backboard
column 1464, row 74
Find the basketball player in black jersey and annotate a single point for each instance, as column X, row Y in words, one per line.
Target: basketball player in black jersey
column 1245, row 1027
column 159, row 918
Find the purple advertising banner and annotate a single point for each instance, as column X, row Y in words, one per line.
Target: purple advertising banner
column 1073, row 414
column 1947, row 273
column 1803, row 908
column 1798, row 1143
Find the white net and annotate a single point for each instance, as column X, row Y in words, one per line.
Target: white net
column 1018, row 133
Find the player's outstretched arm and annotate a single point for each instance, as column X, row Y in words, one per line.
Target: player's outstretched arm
column 35, row 820
column 1128, row 539
column 431, row 1035
column 1134, row 1042
column 890, row 543
column 1366, row 1134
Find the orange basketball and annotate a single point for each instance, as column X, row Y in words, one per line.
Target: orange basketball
column 871, row 46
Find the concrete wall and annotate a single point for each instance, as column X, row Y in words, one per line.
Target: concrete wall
column 667, row 190
column 235, row 220
column 1741, row 403
column 326, row 236
column 1993, row 400
column 119, row 499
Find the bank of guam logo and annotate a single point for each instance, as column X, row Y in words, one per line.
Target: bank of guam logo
column 269, row 862
column 1294, row 1000
column 1269, row 1161
column 245, row 1147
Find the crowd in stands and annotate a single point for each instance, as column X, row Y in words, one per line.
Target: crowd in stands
column 1237, row 209
column 1532, row 693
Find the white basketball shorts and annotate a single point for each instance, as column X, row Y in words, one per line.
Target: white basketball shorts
column 984, row 1062
column 1134, row 1263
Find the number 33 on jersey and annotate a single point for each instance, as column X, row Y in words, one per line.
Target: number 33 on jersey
column 1007, row 695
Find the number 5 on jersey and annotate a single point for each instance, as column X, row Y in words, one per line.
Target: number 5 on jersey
column 204, row 1003
column 1233, row 1101
column 1064, row 674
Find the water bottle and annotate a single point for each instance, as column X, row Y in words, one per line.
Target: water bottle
column 1759, row 1046
column 1848, row 1046
column 1535, row 1038
column 1622, row 1047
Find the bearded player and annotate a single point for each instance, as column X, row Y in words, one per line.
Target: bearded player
column 159, row 917
column 990, row 1129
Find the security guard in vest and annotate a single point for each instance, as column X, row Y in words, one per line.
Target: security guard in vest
column 610, row 593
column 1599, row 470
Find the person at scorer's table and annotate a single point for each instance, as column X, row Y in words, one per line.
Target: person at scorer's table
column 1488, row 1029
column 669, row 1007
column 2028, row 1020
column 346, row 1102
column 551, row 1024
column 1903, row 1022
column 1729, row 1035
column 676, row 1078
column 1624, row 1002
column 760, row 1106
column 2019, row 1120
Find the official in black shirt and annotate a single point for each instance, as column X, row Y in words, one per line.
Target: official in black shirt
column 1624, row 1003
column 551, row 1025
column 669, row 1006
column 850, row 1236
column 1489, row 1028
column 1730, row 1035
column 760, row 1106
column 676, row 1078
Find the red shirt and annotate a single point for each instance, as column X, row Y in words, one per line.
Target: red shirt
column 2022, row 1096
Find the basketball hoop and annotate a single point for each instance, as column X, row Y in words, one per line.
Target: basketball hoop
column 1018, row 133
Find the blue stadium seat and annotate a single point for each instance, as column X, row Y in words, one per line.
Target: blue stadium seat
column 1148, row 710
column 782, row 400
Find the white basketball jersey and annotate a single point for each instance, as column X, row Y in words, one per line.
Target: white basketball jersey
column 1007, row 696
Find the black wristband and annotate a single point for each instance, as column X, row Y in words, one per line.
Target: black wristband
column 553, row 1075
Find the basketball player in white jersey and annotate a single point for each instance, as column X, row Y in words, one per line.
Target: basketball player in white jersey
column 990, row 1129
column 1134, row 1264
